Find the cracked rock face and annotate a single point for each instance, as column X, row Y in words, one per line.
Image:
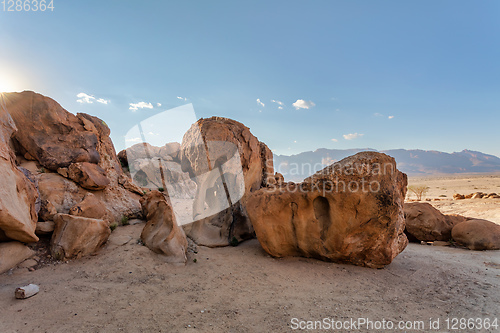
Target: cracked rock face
column 351, row 211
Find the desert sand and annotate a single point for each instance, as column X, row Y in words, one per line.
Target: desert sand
column 128, row 288
column 442, row 188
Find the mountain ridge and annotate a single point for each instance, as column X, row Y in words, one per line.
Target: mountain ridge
column 411, row 161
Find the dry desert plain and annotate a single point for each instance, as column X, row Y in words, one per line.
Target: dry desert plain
column 128, row 288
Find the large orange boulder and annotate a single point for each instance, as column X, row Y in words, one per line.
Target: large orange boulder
column 18, row 195
column 48, row 133
column 161, row 233
column 228, row 163
column 477, row 235
column 76, row 236
column 78, row 148
column 351, row 211
column 426, row 223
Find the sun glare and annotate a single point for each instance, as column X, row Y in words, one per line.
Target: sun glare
column 6, row 86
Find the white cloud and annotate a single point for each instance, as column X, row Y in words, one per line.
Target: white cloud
column 390, row 117
column 295, row 141
column 140, row 105
column 102, row 101
column 133, row 140
column 158, row 104
column 301, row 104
column 84, row 98
column 260, row 103
column 335, row 140
column 182, row 98
column 280, row 107
column 278, row 102
column 352, row 136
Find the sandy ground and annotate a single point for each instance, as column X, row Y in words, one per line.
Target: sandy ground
column 127, row 288
column 442, row 188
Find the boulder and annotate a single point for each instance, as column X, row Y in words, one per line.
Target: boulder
column 477, row 235
column 161, row 234
column 89, row 176
column 45, row 228
column 426, row 223
column 91, row 207
column 58, row 193
column 351, row 211
column 47, row 211
column 48, row 133
column 18, row 195
column 13, row 253
column 78, row 148
column 76, row 236
column 458, row 196
column 228, row 163
column 477, row 195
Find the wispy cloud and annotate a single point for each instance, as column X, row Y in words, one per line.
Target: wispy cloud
column 335, row 140
column 280, row 104
column 158, row 104
column 260, row 102
column 378, row 114
column 140, row 105
column 133, row 140
column 102, row 101
column 352, row 136
column 302, row 104
column 390, row 117
column 182, row 98
column 84, row 98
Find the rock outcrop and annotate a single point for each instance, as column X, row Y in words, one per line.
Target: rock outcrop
column 228, row 163
column 13, row 253
column 426, row 223
column 351, row 211
column 477, row 235
column 18, row 195
column 76, row 236
column 74, row 154
column 161, row 233
column 158, row 168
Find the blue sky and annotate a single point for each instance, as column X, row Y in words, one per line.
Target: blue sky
column 349, row 74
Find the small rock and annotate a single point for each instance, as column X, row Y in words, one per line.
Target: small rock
column 28, row 263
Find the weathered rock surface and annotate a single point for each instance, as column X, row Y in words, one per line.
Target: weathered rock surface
column 78, row 148
column 91, row 207
column 351, row 211
column 45, row 227
column 48, row 133
column 18, row 195
column 426, row 223
column 89, row 176
column 76, row 236
column 13, row 253
column 161, row 233
column 228, row 163
column 477, row 235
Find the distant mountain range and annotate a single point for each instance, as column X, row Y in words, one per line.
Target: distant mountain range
column 412, row 162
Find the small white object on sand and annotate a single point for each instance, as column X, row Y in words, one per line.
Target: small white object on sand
column 27, row 291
